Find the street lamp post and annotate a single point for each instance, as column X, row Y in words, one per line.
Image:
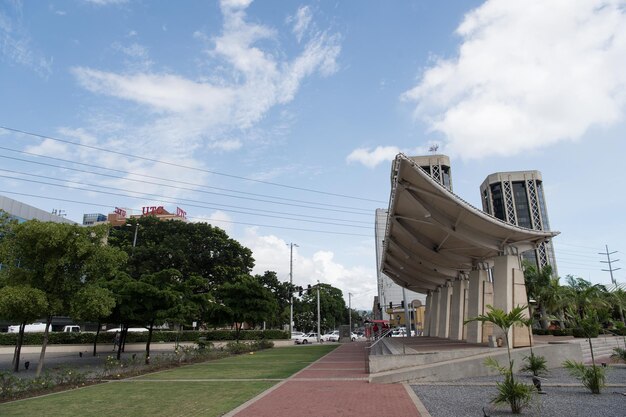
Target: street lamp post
column 350, row 313
column 291, row 245
column 318, row 312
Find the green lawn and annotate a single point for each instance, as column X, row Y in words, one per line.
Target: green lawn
column 173, row 392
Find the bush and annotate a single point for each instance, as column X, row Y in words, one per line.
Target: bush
column 10, row 339
column 262, row 344
column 592, row 377
column 561, row 332
column 618, row 354
column 237, row 348
column 535, row 364
column 580, row 332
column 540, row 332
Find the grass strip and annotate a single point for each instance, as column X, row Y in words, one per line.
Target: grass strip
column 180, row 397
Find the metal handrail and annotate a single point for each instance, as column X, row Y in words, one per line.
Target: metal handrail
column 368, row 349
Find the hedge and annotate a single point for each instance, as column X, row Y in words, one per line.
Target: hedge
column 9, row 339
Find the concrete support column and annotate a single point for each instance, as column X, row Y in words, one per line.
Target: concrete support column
column 478, row 278
column 427, row 313
column 457, row 308
column 509, row 291
column 434, row 313
column 444, row 310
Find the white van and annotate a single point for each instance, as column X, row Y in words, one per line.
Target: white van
column 72, row 328
column 29, row 328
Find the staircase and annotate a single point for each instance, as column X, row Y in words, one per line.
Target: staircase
column 603, row 346
column 432, row 359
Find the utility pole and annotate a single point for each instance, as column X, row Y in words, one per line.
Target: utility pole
column 350, row 313
column 609, row 262
column 318, row 312
column 291, row 245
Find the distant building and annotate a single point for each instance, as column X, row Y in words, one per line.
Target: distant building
column 93, row 218
column 518, row 198
column 23, row 212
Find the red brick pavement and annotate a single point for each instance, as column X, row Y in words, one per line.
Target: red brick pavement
column 334, row 386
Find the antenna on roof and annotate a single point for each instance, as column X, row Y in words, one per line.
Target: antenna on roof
column 433, row 149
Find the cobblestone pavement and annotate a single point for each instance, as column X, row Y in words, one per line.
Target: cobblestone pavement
column 335, row 385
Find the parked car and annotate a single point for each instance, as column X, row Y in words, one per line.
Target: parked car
column 331, row 337
column 130, row 329
column 294, row 335
column 306, row 338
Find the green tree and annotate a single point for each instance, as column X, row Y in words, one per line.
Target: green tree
column 21, row 304
column 281, row 292
column 194, row 249
column 246, row 301
column 333, row 309
column 56, row 258
column 537, row 282
column 92, row 303
column 586, row 296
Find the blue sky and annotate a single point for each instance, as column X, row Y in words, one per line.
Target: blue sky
column 278, row 120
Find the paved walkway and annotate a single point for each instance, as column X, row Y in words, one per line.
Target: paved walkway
column 335, row 385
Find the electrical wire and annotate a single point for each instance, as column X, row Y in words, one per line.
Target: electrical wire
column 197, row 218
column 157, row 161
column 281, row 199
column 168, row 199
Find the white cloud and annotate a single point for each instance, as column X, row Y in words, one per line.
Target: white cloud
column 15, row 42
column 105, row 2
column 273, row 254
column 527, row 75
column 246, row 83
column 301, row 21
column 371, row 158
column 219, row 219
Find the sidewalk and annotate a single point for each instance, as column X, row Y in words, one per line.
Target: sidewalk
column 335, row 385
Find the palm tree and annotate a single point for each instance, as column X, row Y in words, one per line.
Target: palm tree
column 537, row 287
column 516, row 394
column 585, row 295
column 504, row 321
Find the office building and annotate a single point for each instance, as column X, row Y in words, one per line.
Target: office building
column 518, row 198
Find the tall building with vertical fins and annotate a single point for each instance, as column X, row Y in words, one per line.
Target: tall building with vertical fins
column 518, row 198
column 438, row 167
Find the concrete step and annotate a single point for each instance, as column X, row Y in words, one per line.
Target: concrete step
column 471, row 365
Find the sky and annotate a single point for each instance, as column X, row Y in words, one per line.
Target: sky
column 278, row 120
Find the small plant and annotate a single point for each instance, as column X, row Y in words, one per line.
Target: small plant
column 517, row 394
column 592, row 377
column 535, row 364
column 237, row 347
column 618, row 354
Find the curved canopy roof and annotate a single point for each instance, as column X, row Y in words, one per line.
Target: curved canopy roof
column 433, row 235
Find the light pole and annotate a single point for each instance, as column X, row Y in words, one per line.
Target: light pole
column 350, row 313
column 291, row 245
column 135, row 236
column 318, row 312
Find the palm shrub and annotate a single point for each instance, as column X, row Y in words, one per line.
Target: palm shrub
column 619, row 354
column 535, row 364
column 517, row 394
column 592, row 377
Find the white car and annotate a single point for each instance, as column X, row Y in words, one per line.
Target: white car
column 331, row 337
column 306, row 339
column 295, row 335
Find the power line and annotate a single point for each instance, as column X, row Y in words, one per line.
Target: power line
column 163, row 179
column 198, row 218
column 164, row 198
column 156, row 161
column 183, row 188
